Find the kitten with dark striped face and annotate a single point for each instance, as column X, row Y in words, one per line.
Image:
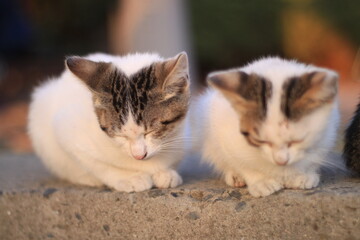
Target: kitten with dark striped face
column 112, row 120
column 268, row 125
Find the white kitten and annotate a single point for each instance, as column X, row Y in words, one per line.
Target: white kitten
column 268, row 125
column 113, row 120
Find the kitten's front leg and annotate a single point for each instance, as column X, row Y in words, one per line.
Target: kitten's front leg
column 264, row 187
column 304, row 174
column 167, row 178
column 119, row 179
column 137, row 183
column 260, row 185
column 302, row 180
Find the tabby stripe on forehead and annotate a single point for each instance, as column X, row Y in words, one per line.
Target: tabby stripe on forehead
column 114, row 89
column 264, row 93
column 131, row 95
column 149, row 78
column 258, row 89
column 286, row 101
column 293, row 89
column 140, row 80
column 140, row 84
column 119, row 95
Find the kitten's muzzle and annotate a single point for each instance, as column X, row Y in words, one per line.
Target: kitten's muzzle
column 281, row 157
column 138, row 149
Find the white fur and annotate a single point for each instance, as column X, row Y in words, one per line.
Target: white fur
column 217, row 135
column 66, row 135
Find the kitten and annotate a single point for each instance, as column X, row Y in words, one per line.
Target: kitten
column 113, row 120
column 268, row 125
column 352, row 143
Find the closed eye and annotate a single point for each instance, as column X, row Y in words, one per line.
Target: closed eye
column 175, row 119
column 254, row 141
column 147, row 133
column 246, row 134
column 291, row 143
column 263, row 142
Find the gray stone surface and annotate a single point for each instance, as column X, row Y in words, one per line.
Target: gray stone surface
column 34, row 205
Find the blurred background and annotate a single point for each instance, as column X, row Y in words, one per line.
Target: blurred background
column 36, row 35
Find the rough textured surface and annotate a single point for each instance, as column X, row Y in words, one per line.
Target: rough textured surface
column 34, row 205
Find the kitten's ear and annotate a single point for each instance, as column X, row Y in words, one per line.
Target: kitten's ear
column 308, row 92
column 247, row 93
column 94, row 74
column 226, row 82
column 174, row 75
column 241, row 89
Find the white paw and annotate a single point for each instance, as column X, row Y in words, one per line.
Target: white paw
column 234, row 180
column 166, row 179
column 136, row 183
column 264, row 188
column 303, row 181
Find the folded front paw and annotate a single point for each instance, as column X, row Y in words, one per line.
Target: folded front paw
column 303, row 181
column 166, row 179
column 264, row 187
column 136, row 183
column 234, row 180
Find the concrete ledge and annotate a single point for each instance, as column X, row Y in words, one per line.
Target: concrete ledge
column 34, row 205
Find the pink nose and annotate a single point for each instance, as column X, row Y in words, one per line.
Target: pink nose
column 140, row 157
column 281, row 163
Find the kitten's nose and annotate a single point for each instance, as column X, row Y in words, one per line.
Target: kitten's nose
column 138, row 149
column 140, row 157
column 281, row 162
column 281, row 158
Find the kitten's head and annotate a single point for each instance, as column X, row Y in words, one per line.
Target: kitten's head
column 283, row 121
column 144, row 111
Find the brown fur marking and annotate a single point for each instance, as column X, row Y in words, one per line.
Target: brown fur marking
column 248, row 94
column 304, row 94
column 157, row 96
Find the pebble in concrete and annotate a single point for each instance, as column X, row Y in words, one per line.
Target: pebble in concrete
column 192, row 216
column 48, row 192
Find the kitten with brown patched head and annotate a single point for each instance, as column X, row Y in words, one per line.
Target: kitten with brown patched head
column 268, row 125
column 112, row 120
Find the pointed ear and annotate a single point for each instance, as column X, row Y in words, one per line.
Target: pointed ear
column 308, row 92
column 174, row 75
column 228, row 83
column 94, row 74
column 248, row 93
column 323, row 86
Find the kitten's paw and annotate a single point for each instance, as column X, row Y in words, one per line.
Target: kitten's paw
column 136, row 183
column 234, row 180
column 264, row 188
column 166, row 179
column 303, row 181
